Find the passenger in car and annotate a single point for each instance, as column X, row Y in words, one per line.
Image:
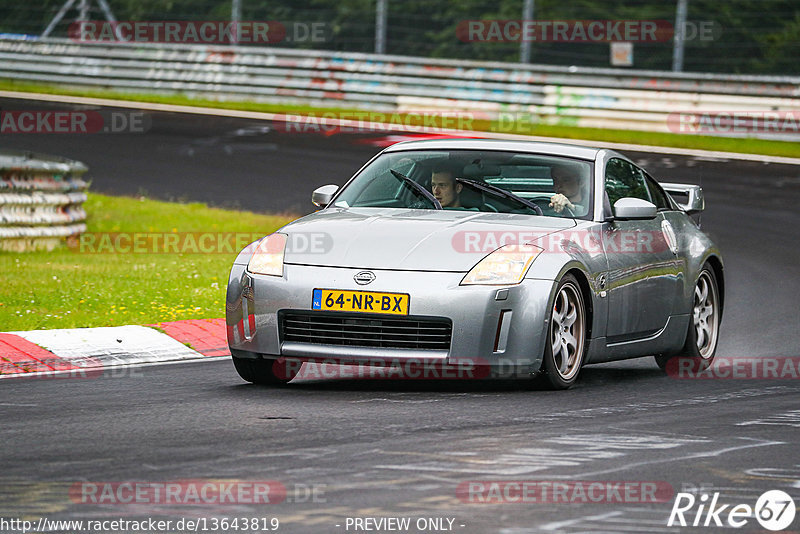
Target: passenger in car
column 569, row 187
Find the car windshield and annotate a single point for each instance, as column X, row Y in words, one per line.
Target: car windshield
column 471, row 180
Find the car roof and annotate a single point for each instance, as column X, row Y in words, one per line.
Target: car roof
column 532, row 147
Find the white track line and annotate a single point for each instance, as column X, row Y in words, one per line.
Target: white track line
column 257, row 115
column 93, row 351
column 113, row 370
column 109, row 345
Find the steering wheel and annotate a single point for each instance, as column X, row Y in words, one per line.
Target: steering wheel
column 537, row 201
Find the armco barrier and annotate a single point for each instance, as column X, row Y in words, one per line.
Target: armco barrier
column 41, row 200
column 591, row 97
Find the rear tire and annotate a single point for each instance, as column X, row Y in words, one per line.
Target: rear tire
column 703, row 334
column 565, row 347
column 265, row 372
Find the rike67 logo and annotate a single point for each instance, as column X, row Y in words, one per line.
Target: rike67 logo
column 774, row 510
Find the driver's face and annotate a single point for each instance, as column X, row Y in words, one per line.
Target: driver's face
column 445, row 189
column 567, row 184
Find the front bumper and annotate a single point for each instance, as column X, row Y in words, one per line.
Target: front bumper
column 503, row 327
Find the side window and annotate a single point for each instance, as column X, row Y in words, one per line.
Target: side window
column 657, row 193
column 625, row 180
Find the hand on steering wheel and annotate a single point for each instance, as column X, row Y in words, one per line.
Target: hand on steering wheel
column 560, row 202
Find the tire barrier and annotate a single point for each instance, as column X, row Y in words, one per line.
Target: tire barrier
column 41, row 200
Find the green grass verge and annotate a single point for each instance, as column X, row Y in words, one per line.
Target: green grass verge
column 69, row 288
column 739, row 145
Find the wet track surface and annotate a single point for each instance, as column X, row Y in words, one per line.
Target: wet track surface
column 383, row 448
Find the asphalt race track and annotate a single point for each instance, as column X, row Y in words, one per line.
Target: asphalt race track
column 389, row 448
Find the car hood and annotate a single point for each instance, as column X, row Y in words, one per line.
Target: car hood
column 414, row 240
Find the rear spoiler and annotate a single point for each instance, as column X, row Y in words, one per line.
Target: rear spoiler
column 689, row 197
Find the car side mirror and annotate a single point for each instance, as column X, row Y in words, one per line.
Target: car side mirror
column 322, row 195
column 630, row 208
column 688, row 197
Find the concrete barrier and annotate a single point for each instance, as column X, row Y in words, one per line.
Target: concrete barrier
column 572, row 96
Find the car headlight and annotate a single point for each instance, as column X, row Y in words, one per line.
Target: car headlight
column 268, row 255
column 506, row 265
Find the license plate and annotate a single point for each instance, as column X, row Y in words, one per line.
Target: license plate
column 360, row 301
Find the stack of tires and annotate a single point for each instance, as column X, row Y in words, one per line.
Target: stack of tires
column 41, row 200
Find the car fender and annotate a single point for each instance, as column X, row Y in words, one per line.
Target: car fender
column 590, row 276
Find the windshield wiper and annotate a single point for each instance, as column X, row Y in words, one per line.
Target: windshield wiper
column 415, row 186
column 489, row 188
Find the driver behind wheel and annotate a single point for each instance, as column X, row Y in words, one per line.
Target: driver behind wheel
column 569, row 186
column 445, row 188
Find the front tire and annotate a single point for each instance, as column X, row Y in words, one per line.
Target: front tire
column 703, row 334
column 264, row 372
column 566, row 337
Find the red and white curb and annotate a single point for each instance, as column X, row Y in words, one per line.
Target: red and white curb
column 45, row 352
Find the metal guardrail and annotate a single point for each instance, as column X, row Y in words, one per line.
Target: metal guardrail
column 41, row 200
column 590, row 97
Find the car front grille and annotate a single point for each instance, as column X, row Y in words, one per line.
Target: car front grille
column 339, row 328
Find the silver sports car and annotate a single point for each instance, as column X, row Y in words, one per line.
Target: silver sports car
column 520, row 258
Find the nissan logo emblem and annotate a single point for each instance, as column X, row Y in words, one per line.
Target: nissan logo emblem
column 364, row 277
